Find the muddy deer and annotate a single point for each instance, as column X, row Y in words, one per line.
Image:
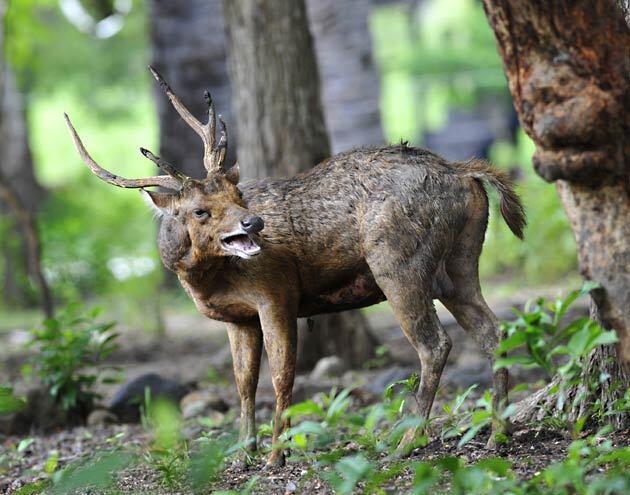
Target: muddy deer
column 392, row 223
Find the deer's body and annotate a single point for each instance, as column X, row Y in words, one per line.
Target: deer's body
column 395, row 223
column 323, row 225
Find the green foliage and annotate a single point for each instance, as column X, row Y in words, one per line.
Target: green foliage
column 71, row 349
column 97, row 241
column 9, row 403
column 538, row 330
column 97, row 473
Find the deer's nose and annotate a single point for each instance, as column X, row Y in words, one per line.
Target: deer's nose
column 252, row 224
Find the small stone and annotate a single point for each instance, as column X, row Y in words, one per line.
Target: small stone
column 328, row 366
column 290, row 488
column 201, row 403
column 100, row 417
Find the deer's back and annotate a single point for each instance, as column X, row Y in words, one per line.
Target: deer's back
column 323, row 215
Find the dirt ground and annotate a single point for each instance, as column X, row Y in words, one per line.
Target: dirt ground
column 193, row 346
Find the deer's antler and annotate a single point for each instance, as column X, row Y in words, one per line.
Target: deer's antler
column 174, row 180
column 213, row 156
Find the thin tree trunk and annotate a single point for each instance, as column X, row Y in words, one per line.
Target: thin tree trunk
column 19, row 192
column 281, row 129
column 28, row 226
column 567, row 64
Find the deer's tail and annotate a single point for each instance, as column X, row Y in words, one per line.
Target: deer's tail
column 511, row 207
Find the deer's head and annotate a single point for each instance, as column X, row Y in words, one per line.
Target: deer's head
column 202, row 220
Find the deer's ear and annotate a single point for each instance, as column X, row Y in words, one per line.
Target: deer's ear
column 234, row 174
column 160, row 202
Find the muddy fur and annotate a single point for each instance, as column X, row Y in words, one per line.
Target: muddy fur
column 395, row 223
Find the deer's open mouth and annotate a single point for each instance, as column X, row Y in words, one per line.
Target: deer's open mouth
column 240, row 244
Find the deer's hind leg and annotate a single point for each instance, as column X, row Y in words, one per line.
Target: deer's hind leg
column 408, row 286
column 467, row 304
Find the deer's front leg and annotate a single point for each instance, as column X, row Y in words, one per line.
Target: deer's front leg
column 246, row 346
column 279, row 326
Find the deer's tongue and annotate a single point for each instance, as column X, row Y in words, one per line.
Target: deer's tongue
column 242, row 242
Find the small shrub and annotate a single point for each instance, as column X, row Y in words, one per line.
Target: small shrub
column 539, row 332
column 71, row 349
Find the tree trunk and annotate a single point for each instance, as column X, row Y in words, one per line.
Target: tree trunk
column 281, row 129
column 188, row 49
column 567, row 64
column 350, row 83
column 19, row 187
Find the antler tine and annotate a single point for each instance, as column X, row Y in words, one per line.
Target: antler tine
column 212, row 123
column 221, row 148
column 213, row 156
column 107, row 176
column 184, row 113
column 165, row 166
column 205, row 131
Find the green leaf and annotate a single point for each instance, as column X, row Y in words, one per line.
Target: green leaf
column 25, row 444
column 51, row 463
column 306, row 408
column 517, row 339
column 470, row 434
column 506, row 362
column 9, row 403
column 497, row 465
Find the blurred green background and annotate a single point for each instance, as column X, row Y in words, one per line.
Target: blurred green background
column 99, row 241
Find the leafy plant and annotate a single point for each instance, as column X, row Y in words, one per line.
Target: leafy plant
column 539, row 332
column 71, row 349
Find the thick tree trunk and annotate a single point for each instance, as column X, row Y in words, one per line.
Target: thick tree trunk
column 350, row 83
column 567, row 64
column 281, row 129
column 19, row 187
column 275, row 88
column 188, row 49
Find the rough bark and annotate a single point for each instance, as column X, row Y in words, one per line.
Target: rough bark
column 567, row 64
column 350, row 83
column 16, row 168
column 188, row 49
column 281, row 129
column 275, row 88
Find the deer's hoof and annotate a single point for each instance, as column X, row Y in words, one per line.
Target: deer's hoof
column 276, row 459
column 410, row 441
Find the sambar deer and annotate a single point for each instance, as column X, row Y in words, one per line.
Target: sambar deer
column 394, row 222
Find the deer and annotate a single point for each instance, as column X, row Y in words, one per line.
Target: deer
column 395, row 223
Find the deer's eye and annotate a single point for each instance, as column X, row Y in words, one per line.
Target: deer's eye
column 198, row 213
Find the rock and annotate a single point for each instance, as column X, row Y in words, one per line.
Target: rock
column 100, row 417
column 200, row 403
column 290, row 488
column 328, row 366
column 130, row 397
